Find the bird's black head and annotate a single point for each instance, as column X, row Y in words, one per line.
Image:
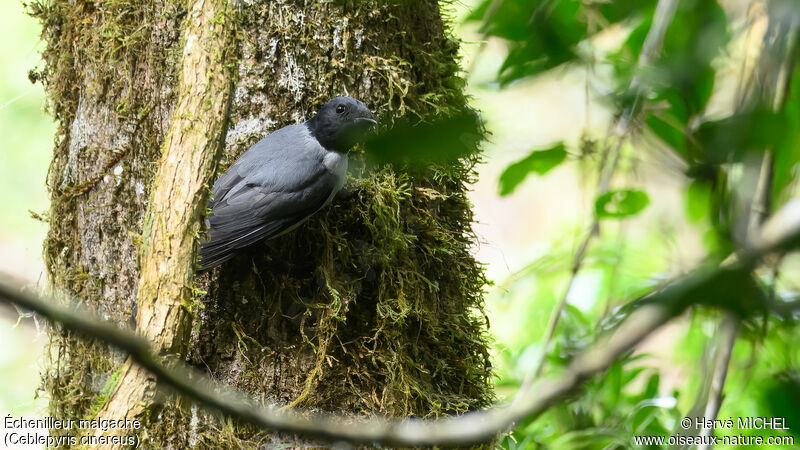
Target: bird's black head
column 340, row 123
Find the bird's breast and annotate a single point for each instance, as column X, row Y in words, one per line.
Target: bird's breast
column 336, row 164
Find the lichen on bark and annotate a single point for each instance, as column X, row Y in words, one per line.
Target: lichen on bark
column 374, row 306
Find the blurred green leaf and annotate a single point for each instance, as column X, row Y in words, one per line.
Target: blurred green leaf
column 698, row 200
column 682, row 75
column 643, row 417
column 620, row 203
column 651, row 390
column 577, row 315
column 438, row 140
column 782, row 397
column 731, row 138
column 589, row 438
column 733, row 289
column 539, row 162
column 787, row 151
column 670, row 124
column 478, row 12
column 621, row 10
column 667, row 131
column 542, row 38
column 632, row 373
column 543, row 34
column 624, row 61
column 614, row 380
column 509, row 19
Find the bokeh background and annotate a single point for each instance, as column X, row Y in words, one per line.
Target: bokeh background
column 27, row 134
column 527, row 240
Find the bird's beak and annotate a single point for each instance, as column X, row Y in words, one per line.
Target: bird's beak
column 371, row 122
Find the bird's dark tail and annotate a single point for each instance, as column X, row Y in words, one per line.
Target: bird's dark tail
column 213, row 255
column 224, row 246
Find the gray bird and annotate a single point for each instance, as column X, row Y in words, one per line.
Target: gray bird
column 282, row 180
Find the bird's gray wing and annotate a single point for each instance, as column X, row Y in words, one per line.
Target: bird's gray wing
column 251, row 204
column 285, row 159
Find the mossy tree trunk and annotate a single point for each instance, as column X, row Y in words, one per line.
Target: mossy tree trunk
column 373, row 306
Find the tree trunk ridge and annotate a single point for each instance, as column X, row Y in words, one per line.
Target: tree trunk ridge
column 177, row 202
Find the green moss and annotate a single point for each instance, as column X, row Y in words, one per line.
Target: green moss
column 102, row 398
column 381, row 287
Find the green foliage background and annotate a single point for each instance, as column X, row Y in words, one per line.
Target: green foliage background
column 693, row 124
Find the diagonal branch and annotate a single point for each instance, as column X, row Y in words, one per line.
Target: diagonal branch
column 781, row 233
column 470, row 428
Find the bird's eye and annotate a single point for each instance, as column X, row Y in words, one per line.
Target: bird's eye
column 340, row 109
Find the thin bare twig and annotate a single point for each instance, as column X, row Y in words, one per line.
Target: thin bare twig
column 760, row 204
column 665, row 11
column 730, row 331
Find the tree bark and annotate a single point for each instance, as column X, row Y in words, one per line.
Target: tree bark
column 373, row 306
column 177, row 203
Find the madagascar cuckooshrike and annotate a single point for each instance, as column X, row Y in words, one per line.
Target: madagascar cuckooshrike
column 282, row 180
